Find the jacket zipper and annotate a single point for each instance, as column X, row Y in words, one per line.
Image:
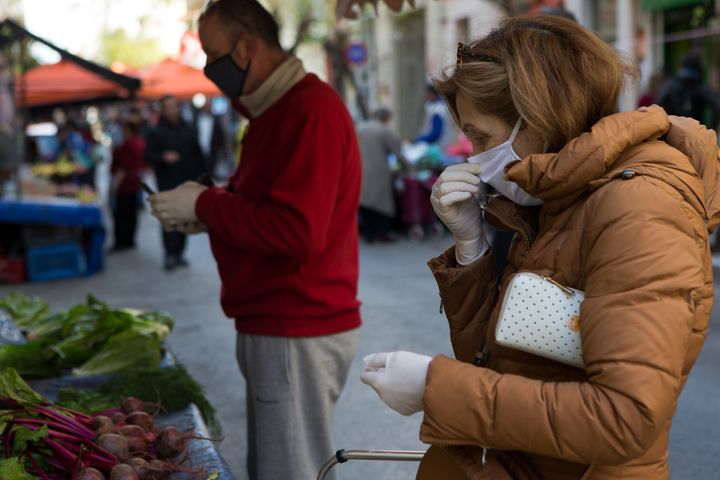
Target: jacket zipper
column 525, row 236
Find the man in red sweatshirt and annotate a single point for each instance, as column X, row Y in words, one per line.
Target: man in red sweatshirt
column 284, row 234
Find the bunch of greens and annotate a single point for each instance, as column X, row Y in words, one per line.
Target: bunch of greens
column 172, row 387
column 41, row 439
column 89, row 338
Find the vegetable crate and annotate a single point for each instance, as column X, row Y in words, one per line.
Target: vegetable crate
column 12, row 270
column 53, row 262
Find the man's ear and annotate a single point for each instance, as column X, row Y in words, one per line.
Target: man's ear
column 245, row 50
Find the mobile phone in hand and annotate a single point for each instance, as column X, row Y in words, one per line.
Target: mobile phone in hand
column 147, row 188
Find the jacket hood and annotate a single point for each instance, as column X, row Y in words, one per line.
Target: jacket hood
column 677, row 150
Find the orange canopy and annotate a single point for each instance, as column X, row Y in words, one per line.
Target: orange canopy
column 63, row 82
column 171, row 77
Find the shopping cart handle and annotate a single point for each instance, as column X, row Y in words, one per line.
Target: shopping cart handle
column 343, row 456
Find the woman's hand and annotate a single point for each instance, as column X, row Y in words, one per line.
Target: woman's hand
column 454, row 203
column 398, row 378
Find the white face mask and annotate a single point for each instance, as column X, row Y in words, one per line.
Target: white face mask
column 493, row 164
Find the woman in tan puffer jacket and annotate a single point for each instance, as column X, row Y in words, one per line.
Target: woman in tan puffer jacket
column 617, row 205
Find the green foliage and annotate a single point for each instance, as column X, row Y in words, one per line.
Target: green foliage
column 23, row 435
column 14, row 387
column 12, row 469
column 91, row 337
column 26, row 312
column 117, row 46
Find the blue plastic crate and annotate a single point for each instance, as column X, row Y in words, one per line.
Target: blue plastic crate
column 53, row 262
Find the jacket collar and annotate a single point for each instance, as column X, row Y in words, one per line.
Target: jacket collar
column 565, row 175
column 619, row 142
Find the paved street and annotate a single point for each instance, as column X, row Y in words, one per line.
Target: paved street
column 400, row 311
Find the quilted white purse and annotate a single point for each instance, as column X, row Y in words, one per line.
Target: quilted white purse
column 541, row 317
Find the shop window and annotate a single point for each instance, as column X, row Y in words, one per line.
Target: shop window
column 606, row 20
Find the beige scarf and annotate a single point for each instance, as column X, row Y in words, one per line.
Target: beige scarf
column 286, row 76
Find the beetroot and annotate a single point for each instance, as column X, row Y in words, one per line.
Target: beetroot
column 141, row 467
column 90, row 474
column 158, row 470
column 118, row 418
column 132, row 404
column 141, row 419
column 123, row 472
column 170, row 443
column 103, row 425
column 132, row 431
column 115, row 444
column 137, row 444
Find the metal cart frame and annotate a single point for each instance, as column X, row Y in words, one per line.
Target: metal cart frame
column 343, row 456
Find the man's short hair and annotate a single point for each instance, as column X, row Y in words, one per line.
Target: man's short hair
column 382, row 114
column 246, row 16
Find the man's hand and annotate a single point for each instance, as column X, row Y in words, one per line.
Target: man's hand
column 170, row 157
column 176, row 207
column 188, row 228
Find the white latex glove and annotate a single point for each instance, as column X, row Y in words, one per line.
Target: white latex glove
column 398, row 378
column 454, row 203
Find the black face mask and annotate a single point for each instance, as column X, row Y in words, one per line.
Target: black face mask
column 227, row 75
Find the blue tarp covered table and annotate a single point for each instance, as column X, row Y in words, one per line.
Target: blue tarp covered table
column 61, row 212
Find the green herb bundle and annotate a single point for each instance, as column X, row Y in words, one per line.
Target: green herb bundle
column 172, row 387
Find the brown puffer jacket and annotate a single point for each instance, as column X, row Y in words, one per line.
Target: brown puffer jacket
column 626, row 217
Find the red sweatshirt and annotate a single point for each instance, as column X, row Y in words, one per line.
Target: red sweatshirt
column 284, row 233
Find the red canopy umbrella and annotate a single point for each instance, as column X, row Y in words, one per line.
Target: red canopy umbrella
column 171, row 77
column 63, row 82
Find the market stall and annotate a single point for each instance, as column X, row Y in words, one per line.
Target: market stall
column 51, row 225
column 171, row 77
column 64, row 82
column 73, row 411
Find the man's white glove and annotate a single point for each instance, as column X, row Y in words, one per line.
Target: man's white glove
column 398, row 378
column 454, row 203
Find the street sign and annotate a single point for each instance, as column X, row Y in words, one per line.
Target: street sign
column 356, row 53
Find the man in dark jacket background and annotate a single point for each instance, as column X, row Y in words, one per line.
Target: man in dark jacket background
column 174, row 152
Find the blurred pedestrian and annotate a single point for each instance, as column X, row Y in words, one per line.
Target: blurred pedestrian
column 437, row 126
column 211, row 136
column 655, row 84
column 687, row 95
column 176, row 157
column 616, row 205
column 284, row 234
column 377, row 204
column 128, row 167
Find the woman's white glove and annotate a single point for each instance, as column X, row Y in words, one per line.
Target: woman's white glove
column 398, row 378
column 454, row 203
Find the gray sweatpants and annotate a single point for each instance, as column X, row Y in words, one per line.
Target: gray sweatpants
column 293, row 385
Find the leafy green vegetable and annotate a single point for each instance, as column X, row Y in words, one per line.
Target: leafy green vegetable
column 125, row 350
column 13, row 386
column 12, row 469
column 32, row 360
column 25, row 311
column 172, row 387
column 24, row 435
column 92, row 337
